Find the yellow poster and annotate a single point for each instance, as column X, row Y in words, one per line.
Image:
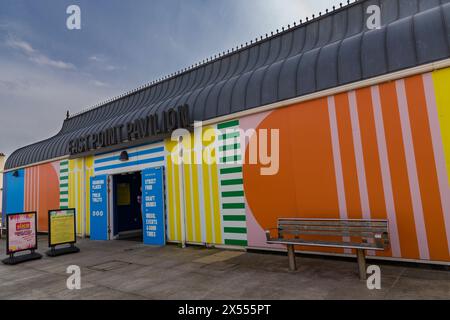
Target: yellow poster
column 62, row 227
column 123, row 194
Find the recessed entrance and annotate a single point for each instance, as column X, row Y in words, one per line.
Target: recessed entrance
column 127, row 198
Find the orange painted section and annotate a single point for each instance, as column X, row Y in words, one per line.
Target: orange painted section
column 305, row 187
column 350, row 174
column 371, row 157
column 42, row 192
column 426, row 169
column 398, row 169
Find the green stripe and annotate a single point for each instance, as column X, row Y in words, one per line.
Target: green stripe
column 64, row 207
column 231, row 194
column 229, row 136
column 64, row 185
column 64, row 192
column 64, row 171
column 234, row 218
column 64, row 178
column 242, row 243
column 235, row 146
column 233, row 206
column 232, row 182
column 231, row 159
column 231, row 170
column 230, row 124
column 234, row 230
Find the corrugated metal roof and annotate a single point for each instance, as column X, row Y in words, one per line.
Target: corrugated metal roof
column 334, row 49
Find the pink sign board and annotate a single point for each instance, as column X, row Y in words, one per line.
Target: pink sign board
column 21, row 232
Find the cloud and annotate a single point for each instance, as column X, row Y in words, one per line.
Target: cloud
column 37, row 57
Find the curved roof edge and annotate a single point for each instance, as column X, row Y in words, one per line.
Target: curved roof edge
column 329, row 51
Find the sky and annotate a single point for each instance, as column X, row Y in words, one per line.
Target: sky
column 47, row 69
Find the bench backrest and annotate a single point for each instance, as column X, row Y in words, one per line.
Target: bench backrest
column 373, row 231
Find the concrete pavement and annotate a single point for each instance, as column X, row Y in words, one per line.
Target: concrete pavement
column 130, row 270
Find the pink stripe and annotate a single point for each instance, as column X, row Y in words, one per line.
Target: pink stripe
column 337, row 159
column 439, row 156
column 359, row 156
column 385, row 172
column 412, row 170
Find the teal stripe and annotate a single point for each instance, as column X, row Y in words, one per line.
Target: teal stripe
column 234, row 230
column 230, row 124
column 233, row 206
column 64, row 185
column 235, row 146
column 231, row 194
column 64, row 170
column 232, row 182
column 231, row 170
column 231, row 159
column 64, row 192
column 229, row 136
column 242, row 243
column 233, row 218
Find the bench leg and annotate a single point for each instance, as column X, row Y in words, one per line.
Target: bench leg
column 361, row 254
column 291, row 256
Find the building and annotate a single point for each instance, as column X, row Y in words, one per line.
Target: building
column 2, row 165
column 362, row 119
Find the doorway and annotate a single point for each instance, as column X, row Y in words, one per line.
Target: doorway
column 127, row 197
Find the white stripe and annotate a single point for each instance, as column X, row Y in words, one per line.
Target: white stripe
column 233, row 199
column 235, row 236
column 361, row 170
column 235, row 224
column 412, row 170
column 385, row 172
column 234, row 212
column 239, row 187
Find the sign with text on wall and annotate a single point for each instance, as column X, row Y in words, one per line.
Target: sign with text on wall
column 99, row 208
column 153, row 208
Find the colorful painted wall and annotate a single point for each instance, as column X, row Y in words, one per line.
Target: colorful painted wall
column 381, row 152
column 33, row 189
column 376, row 153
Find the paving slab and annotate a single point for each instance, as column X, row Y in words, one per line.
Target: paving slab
column 130, row 270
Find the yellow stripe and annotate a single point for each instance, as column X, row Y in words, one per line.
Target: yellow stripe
column 215, row 193
column 188, row 201
column 170, row 187
column 176, row 170
column 198, row 221
column 442, row 84
column 207, row 199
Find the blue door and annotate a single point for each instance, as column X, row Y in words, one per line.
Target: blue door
column 99, row 208
column 153, row 208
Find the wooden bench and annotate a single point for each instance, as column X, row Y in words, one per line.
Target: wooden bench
column 360, row 235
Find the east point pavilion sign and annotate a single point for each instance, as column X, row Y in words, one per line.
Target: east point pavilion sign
column 149, row 126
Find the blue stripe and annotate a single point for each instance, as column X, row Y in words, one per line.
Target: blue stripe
column 133, row 147
column 129, row 164
column 133, row 154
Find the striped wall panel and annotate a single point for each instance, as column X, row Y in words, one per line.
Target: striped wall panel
column 148, row 156
column 380, row 152
column 200, row 199
column 64, row 184
column 232, row 201
column 80, row 172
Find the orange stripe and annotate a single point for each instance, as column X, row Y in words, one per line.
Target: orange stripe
column 350, row 174
column 399, row 174
column 426, row 169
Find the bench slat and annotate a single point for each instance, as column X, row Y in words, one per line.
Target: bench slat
column 348, row 245
column 331, row 234
column 335, row 229
column 334, row 223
